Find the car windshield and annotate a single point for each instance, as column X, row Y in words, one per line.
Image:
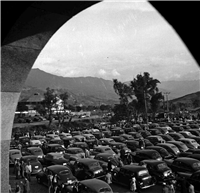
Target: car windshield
column 143, row 173
column 15, row 153
column 164, row 152
column 105, row 190
column 155, row 155
column 161, row 166
column 37, row 151
column 34, row 159
column 107, row 149
column 111, row 141
column 64, row 172
column 75, row 151
column 196, row 166
column 93, row 165
column 59, row 156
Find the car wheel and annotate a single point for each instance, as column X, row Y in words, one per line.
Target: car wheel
column 39, row 181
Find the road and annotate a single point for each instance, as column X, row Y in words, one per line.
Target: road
column 37, row 188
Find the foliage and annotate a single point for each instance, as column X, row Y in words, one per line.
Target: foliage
column 22, row 107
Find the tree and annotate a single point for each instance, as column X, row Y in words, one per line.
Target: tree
column 22, row 107
column 50, row 101
column 40, row 109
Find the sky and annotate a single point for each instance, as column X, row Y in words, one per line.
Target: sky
column 117, row 40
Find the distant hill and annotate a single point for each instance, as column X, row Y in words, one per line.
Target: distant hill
column 94, row 91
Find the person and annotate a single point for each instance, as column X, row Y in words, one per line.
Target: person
column 50, row 178
column 17, row 172
column 171, row 188
column 122, row 154
column 10, row 189
column 165, row 188
column 26, row 186
column 17, row 188
column 141, row 143
column 87, row 153
column 109, row 166
column 128, row 159
column 191, row 188
column 15, row 163
column 55, row 182
column 19, row 146
column 75, row 187
column 133, row 184
column 28, row 170
column 22, row 169
column 109, row 178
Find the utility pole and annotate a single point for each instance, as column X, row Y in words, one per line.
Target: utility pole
column 145, row 104
column 166, row 94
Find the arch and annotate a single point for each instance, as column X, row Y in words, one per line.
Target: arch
column 26, row 34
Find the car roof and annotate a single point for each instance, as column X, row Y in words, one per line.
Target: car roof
column 106, row 139
column 33, row 148
column 146, row 151
column 53, row 153
column 87, row 161
column 57, row 168
column 186, row 159
column 153, row 162
column 104, row 154
column 154, row 147
column 29, row 156
column 166, row 144
column 95, row 184
column 134, row 168
column 102, row 147
column 187, row 139
column 14, row 150
column 54, row 144
column 73, row 148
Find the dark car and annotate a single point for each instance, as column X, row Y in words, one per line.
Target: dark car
column 176, row 136
column 155, row 139
column 130, row 129
column 195, row 151
column 195, row 132
column 24, row 141
column 184, row 164
column 162, row 151
column 54, row 159
column 145, row 133
column 171, row 148
column 124, row 175
column 102, row 149
column 57, row 141
column 118, row 138
column 86, row 168
column 117, row 131
column 117, row 146
column 127, row 136
column 177, row 128
column 155, row 131
column 159, row 170
column 167, row 137
column 82, row 145
column 133, row 145
column 74, row 152
column 181, row 146
column 94, row 186
column 136, row 135
column 35, row 164
column 37, row 151
column 144, row 154
column 63, row 172
column 57, row 148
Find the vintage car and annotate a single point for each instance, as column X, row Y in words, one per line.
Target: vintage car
column 68, row 141
column 37, row 151
column 35, row 143
column 97, row 134
column 74, row 152
column 117, row 131
column 133, row 145
column 87, row 168
column 106, row 141
column 24, row 141
column 176, row 136
column 118, row 139
column 127, row 136
column 37, row 137
column 155, row 131
column 89, row 136
column 79, row 138
column 57, row 148
column 103, row 160
column 181, row 146
column 144, row 154
column 35, row 164
column 177, row 128
column 195, row 132
column 135, row 135
column 124, row 175
column 73, row 133
column 81, row 145
column 190, row 143
column 184, row 164
column 65, row 135
column 155, row 139
column 129, row 129
column 171, row 148
column 117, row 146
column 186, row 134
column 63, row 172
column 167, row 137
column 145, row 133
column 53, row 159
column 192, row 155
column 94, row 186
column 162, row 151
column 52, row 136
column 14, row 154
column 159, row 170
column 195, row 151
column 56, row 141
column 102, row 149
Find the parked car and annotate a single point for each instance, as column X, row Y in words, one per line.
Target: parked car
column 117, row 146
column 79, row 138
column 171, row 148
column 177, row 128
column 133, row 145
column 94, row 186
column 145, row 133
column 24, row 141
column 57, row 148
column 181, row 146
column 167, row 137
column 155, row 139
column 176, row 136
column 56, row 141
column 186, row 134
column 184, row 164
column 127, row 136
column 129, row 129
column 102, row 149
column 144, row 154
column 119, row 139
column 106, row 141
column 162, row 151
column 86, row 168
column 54, row 159
column 190, row 143
column 14, row 154
column 136, row 135
column 51, row 136
column 65, row 135
column 74, row 152
column 35, row 164
column 117, row 131
column 123, row 176
column 63, row 172
column 82, row 145
column 155, row 131
column 35, row 143
column 159, row 170
column 37, row 151
column 195, row 132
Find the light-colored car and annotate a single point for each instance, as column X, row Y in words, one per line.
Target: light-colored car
column 14, row 154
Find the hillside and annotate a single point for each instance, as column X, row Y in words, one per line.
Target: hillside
column 93, row 91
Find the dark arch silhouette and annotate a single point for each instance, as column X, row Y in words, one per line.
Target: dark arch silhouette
column 37, row 22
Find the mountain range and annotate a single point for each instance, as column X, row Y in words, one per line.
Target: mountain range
column 93, row 91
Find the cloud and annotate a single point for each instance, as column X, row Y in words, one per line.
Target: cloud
column 102, row 72
column 115, row 73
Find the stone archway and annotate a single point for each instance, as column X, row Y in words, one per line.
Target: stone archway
column 21, row 46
